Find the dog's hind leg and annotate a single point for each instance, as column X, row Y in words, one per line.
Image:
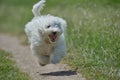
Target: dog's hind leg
column 37, row 8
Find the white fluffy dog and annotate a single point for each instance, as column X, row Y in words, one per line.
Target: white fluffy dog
column 46, row 36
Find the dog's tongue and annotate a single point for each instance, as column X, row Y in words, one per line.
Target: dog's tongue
column 53, row 37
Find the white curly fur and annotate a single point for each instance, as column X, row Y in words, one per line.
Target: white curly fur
column 46, row 36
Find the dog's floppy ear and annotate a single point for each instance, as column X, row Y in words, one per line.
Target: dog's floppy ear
column 63, row 25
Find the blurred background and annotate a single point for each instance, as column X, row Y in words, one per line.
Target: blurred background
column 93, row 32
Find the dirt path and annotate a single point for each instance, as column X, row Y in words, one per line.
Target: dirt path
column 27, row 62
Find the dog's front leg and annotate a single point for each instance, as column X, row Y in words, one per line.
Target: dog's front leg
column 43, row 59
column 58, row 54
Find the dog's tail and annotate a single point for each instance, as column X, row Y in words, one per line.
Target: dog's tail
column 38, row 7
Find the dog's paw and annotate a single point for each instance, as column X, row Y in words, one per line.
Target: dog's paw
column 55, row 61
column 42, row 64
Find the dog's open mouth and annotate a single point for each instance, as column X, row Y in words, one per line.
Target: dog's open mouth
column 53, row 37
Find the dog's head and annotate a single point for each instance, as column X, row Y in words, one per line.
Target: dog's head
column 52, row 27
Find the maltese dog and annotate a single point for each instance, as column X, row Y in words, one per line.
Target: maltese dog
column 46, row 36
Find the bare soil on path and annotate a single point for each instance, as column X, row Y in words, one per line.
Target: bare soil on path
column 28, row 63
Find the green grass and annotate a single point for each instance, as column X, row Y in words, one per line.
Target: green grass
column 8, row 69
column 93, row 32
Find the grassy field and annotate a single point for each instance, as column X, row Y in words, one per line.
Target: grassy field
column 8, row 70
column 93, row 32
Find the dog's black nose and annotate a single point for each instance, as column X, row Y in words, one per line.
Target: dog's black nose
column 54, row 33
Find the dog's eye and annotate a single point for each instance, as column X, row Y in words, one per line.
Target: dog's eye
column 48, row 26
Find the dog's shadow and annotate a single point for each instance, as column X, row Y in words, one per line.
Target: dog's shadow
column 60, row 73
